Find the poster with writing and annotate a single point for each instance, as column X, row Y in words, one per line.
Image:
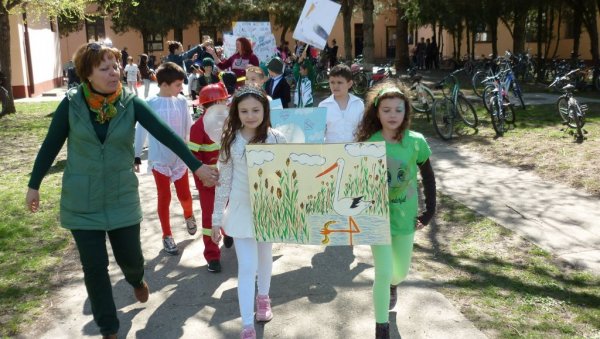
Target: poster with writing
column 260, row 35
column 316, row 22
column 301, row 125
column 329, row 194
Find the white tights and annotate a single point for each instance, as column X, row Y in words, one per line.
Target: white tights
column 253, row 258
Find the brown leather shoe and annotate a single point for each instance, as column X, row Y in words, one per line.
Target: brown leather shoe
column 110, row 336
column 141, row 293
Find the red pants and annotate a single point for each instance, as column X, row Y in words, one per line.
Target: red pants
column 163, row 188
column 207, row 204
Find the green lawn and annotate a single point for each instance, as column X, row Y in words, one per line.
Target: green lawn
column 507, row 286
column 31, row 245
column 539, row 142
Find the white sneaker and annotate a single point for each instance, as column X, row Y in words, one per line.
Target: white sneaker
column 170, row 246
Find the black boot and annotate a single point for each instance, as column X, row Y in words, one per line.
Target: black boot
column 382, row 331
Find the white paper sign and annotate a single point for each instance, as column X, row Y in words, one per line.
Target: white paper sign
column 260, row 35
column 316, row 22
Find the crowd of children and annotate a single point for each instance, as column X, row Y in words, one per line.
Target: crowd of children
column 226, row 210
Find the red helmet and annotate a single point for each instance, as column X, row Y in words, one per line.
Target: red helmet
column 212, row 92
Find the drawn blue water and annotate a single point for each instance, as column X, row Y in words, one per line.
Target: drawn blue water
column 373, row 230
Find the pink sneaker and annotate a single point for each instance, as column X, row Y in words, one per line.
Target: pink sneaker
column 248, row 333
column 263, row 308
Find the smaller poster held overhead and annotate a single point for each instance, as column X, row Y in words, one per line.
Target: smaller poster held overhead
column 316, row 22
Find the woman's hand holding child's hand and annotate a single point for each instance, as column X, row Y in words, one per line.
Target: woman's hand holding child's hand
column 209, row 175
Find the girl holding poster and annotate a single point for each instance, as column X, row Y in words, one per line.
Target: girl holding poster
column 387, row 118
column 248, row 122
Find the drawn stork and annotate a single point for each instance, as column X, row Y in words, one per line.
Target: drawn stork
column 346, row 206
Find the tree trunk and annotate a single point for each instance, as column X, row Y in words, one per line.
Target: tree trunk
column 402, row 57
column 283, row 33
column 519, row 32
column 368, row 35
column 459, row 32
column 592, row 28
column 5, row 64
column 347, row 7
column 178, row 35
column 494, row 35
column 550, row 25
column 576, row 34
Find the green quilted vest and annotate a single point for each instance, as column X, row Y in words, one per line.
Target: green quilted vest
column 100, row 188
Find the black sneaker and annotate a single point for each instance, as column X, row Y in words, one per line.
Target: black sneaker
column 393, row 296
column 228, row 241
column 214, row 266
column 170, row 246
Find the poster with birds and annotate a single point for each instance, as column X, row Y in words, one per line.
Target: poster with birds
column 319, row 194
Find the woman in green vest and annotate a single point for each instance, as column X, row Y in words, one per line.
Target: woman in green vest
column 99, row 195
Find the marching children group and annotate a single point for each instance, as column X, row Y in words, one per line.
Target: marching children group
column 226, row 208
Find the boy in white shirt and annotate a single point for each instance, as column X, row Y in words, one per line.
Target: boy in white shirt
column 162, row 162
column 344, row 110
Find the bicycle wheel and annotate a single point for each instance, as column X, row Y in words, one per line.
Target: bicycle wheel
column 360, row 83
column 562, row 105
column 516, row 89
column 477, row 83
column 466, row 111
column 422, row 100
column 509, row 111
column 443, row 118
column 322, row 79
column 498, row 117
column 488, row 95
column 579, row 119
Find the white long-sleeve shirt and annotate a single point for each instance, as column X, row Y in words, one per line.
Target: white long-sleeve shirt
column 341, row 124
column 174, row 111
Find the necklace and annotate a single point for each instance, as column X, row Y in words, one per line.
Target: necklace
column 103, row 106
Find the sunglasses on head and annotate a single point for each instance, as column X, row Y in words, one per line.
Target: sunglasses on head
column 94, row 46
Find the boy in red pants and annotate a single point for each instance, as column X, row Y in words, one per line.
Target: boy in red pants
column 208, row 152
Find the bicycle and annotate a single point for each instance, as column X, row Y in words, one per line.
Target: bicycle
column 360, row 80
column 508, row 81
column 570, row 111
column 422, row 98
column 454, row 106
column 501, row 110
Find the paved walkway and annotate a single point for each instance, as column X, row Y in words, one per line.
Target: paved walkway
column 562, row 220
column 317, row 292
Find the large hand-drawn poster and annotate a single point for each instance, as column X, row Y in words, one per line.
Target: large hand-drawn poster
column 329, row 194
column 316, row 21
column 301, row 125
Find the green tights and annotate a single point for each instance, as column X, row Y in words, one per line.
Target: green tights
column 391, row 268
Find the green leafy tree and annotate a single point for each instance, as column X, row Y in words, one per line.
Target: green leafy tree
column 72, row 9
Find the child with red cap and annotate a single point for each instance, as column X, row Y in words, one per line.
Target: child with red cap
column 207, row 150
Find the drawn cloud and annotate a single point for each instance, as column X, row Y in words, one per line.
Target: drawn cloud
column 257, row 158
column 307, row 159
column 365, row 149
